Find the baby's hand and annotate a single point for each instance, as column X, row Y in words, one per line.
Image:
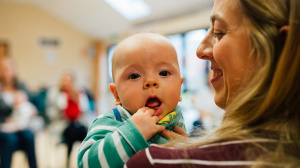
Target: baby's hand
column 145, row 122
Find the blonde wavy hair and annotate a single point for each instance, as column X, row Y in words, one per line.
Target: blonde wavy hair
column 269, row 99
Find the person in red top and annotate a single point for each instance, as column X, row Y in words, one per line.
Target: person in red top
column 67, row 104
column 71, row 111
column 254, row 50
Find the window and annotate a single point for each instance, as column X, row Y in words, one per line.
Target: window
column 194, row 68
column 110, row 52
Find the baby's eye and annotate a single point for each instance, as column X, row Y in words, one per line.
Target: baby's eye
column 164, row 73
column 134, row 76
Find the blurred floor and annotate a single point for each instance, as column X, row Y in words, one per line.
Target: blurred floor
column 49, row 154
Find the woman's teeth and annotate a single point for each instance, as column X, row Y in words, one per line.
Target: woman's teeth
column 217, row 73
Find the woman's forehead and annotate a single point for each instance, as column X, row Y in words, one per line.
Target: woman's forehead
column 226, row 10
column 228, row 17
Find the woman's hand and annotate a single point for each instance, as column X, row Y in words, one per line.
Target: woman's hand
column 145, row 122
column 178, row 133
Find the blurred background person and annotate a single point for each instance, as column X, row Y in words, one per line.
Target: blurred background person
column 66, row 108
column 23, row 110
column 210, row 114
column 14, row 133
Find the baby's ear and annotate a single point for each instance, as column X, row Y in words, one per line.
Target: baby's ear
column 113, row 90
column 182, row 80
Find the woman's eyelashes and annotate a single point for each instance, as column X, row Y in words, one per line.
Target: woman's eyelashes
column 218, row 35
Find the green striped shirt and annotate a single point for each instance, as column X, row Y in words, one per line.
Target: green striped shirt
column 110, row 143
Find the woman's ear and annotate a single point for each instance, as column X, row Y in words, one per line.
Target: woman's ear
column 113, row 90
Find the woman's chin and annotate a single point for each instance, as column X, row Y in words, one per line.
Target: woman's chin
column 220, row 101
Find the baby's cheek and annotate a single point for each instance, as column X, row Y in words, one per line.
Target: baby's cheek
column 173, row 101
column 132, row 105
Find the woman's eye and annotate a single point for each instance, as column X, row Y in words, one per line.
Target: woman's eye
column 218, row 35
column 164, row 73
column 134, row 76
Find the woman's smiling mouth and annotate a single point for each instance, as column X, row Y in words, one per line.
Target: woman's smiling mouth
column 217, row 73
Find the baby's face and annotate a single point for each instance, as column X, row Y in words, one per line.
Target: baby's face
column 147, row 74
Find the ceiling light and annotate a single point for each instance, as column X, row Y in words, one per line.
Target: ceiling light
column 130, row 9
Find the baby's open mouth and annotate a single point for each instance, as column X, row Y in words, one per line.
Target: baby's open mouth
column 153, row 102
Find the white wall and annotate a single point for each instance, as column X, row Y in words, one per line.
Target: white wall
column 22, row 27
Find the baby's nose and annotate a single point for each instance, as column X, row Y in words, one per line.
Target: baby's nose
column 151, row 82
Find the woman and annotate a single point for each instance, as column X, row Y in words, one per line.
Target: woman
column 14, row 134
column 254, row 50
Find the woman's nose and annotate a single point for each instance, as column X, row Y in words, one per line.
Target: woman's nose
column 205, row 48
column 151, row 82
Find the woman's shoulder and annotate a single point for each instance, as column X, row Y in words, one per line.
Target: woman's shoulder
column 214, row 151
column 225, row 154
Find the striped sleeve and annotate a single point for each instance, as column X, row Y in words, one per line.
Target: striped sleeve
column 230, row 154
column 110, row 143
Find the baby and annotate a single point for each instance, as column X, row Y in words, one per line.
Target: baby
column 23, row 110
column 21, row 113
column 146, row 88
